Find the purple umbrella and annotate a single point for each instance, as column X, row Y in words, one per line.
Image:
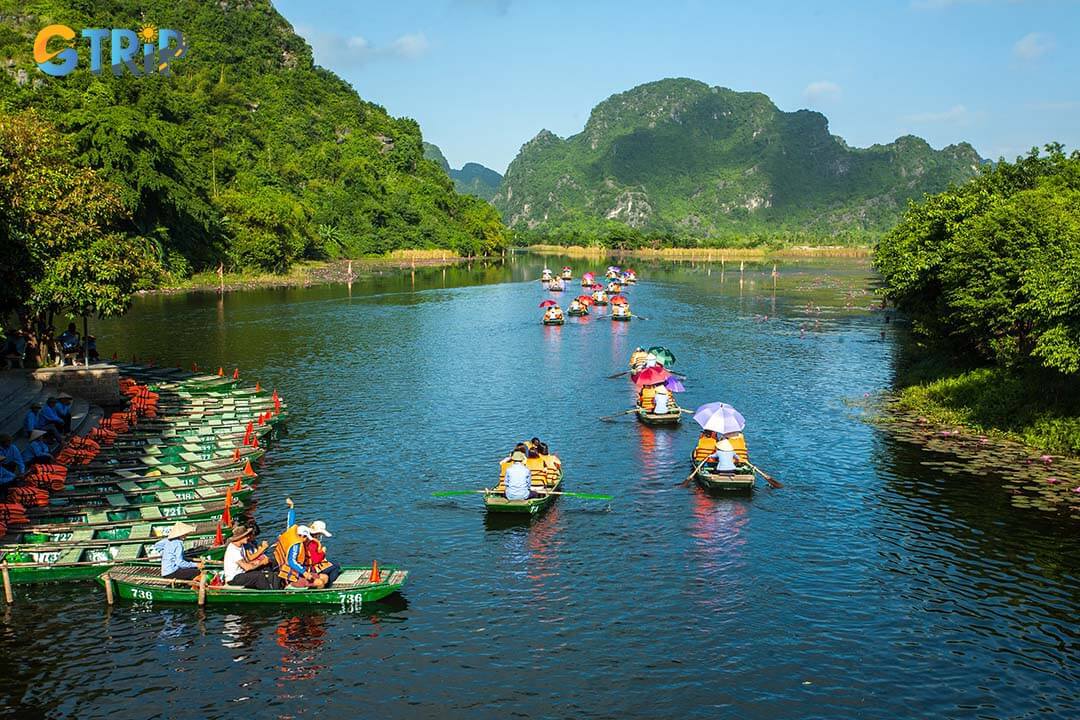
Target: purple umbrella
column 720, row 418
column 674, row 384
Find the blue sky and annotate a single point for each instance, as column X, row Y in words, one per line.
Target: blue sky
column 484, row 76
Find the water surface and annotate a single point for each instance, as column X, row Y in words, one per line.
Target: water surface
column 868, row 587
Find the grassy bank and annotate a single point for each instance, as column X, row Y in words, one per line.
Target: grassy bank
column 707, row 254
column 314, row 272
column 1036, row 407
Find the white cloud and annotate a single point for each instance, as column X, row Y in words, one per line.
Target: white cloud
column 955, row 115
column 821, row 91
column 1033, row 46
column 333, row 50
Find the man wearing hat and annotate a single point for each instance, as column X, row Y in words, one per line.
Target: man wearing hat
column 10, row 457
column 725, row 457
column 171, row 549
column 31, row 419
column 49, row 421
column 246, row 565
column 518, row 478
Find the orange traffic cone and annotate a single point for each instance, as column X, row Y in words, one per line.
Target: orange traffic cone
column 258, row 388
column 236, row 487
column 248, row 471
column 236, row 454
column 220, row 371
column 375, row 576
column 226, row 517
column 236, row 374
column 219, row 539
column 255, row 441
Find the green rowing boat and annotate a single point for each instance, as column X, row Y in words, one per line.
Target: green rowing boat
column 78, row 502
column 496, row 502
column 739, row 480
column 118, row 534
column 142, row 582
column 554, row 321
column 211, row 510
column 652, row 418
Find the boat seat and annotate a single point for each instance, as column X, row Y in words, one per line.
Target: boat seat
column 167, row 496
column 128, row 486
column 169, row 470
column 82, row 535
column 190, row 457
column 141, row 530
column 129, row 552
column 150, row 513
column 118, row 500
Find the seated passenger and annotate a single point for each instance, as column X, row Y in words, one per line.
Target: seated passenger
column 575, row 306
column 49, row 421
column 706, row 444
column 10, row 457
column 661, row 400
column 247, row 565
column 63, row 410
column 647, row 398
column 738, row 443
column 37, row 451
column 171, row 549
column 323, row 572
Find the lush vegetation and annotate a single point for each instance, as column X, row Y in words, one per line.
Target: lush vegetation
column 989, row 274
column 679, row 159
column 249, row 155
column 471, row 179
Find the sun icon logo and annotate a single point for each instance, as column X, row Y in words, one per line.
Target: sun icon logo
column 148, row 33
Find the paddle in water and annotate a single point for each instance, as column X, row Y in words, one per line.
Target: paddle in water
column 696, row 471
column 608, row 418
column 619, row 375
column 773, row 482
column 583, row 496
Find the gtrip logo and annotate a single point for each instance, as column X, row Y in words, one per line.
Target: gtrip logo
column 146, row 52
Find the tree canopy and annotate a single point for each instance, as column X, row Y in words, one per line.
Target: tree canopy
column 993, row 266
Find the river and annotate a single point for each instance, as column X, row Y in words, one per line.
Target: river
column 869, row 586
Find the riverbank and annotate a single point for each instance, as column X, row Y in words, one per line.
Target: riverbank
column 314, row 272
column 708, row 254
column 1039, row 409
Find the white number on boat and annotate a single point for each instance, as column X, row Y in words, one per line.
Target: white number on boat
column 139, row 594
column 352, row 602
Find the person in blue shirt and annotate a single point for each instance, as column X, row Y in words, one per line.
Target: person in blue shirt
column 49, row 421
column 518, row 478
column 725, row 457
column 70, row 342
column 10, row 457
column 37, row 451
column 171, row 549
column 63, row 410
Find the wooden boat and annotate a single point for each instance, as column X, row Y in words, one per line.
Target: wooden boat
column 189, row 466
column 35, row 565
column 738, row 480
column 578, row 313
column 496, row 502
column 166, row 482
column 600, row 302
column 142, row 582
column 174, row 457
column 567, row 275
column 171, row 448
column 124, row 533
column 674, row 417
column 622, row 318
column 557, row 288
column 163, row 500
column 197, row 510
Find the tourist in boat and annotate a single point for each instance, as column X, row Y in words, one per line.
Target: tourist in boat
column 637, row 359
column 647, row 398
column 706, row 445
column 49, row 421
column 738, row 443
column 323, row 571
column 291, row 554
column 10, row 457
column 37, row 450
column 63, row 410
column 576, row 306
column 621, row 310
column 600, row 297
column 518, row 478
column 724, row 459
column 171, row 549
column 246, row 564
column 553, row 313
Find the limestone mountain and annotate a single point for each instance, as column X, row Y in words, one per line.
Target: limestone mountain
column 680, row 156
column 471, row 179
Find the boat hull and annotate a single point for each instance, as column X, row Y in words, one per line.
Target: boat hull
column 725, row 482
column 497, row 503
column 650, row 418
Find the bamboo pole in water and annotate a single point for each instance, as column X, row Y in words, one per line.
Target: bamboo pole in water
column 107, row 580
column 9, row 597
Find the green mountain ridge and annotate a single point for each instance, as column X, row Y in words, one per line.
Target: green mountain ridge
column 680, row 156
column 471, row 179
column 250, row 153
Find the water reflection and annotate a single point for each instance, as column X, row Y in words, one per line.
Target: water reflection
column 301, row 637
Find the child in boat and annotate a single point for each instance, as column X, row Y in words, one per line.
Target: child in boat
column 323, row 571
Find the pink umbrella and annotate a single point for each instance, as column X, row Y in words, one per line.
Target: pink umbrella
column 652, row 376
column 548, row 303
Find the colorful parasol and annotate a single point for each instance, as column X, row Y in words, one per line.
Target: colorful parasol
column 596, row 286
column 674, row 384
column 584, row 299
column 619, row 300
column 663, row 356
column 719, row 417
column 548, row 303
column 651, row 376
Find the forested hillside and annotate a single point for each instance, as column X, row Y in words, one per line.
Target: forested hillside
column 249, row 154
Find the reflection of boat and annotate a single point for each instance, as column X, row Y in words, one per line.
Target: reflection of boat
column 738, row 480
column 143, row 582
column 496, row 502
column 653, row 418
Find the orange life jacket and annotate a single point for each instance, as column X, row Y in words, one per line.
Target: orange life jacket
column 647, row 398
column 738, row 444
column 536, row 467
column 706, row 446
column 285, row 542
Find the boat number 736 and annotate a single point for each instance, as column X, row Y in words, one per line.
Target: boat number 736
column 351, row 602
column 139, row 594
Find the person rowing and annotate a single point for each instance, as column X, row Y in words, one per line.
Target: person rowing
column 171, row 548
column 724, row 459
column 518, row 478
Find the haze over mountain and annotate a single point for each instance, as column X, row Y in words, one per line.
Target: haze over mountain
column 677, row 155
column 471, row 179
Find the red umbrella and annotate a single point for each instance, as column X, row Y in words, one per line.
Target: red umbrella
column 619, row 300
column 583, row 298
column 652, row 376
column 596, row 286
column 548, row 303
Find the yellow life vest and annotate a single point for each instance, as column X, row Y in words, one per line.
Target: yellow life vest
column 647, row 398
column 284, row 544
column 706, row 446
column 738, row 444
column 536, row 467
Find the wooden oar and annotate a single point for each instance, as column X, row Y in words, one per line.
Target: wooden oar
column 696, row 471
column 606, row 418
column 583, row 496
column 766, row 477
column 618, row 375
